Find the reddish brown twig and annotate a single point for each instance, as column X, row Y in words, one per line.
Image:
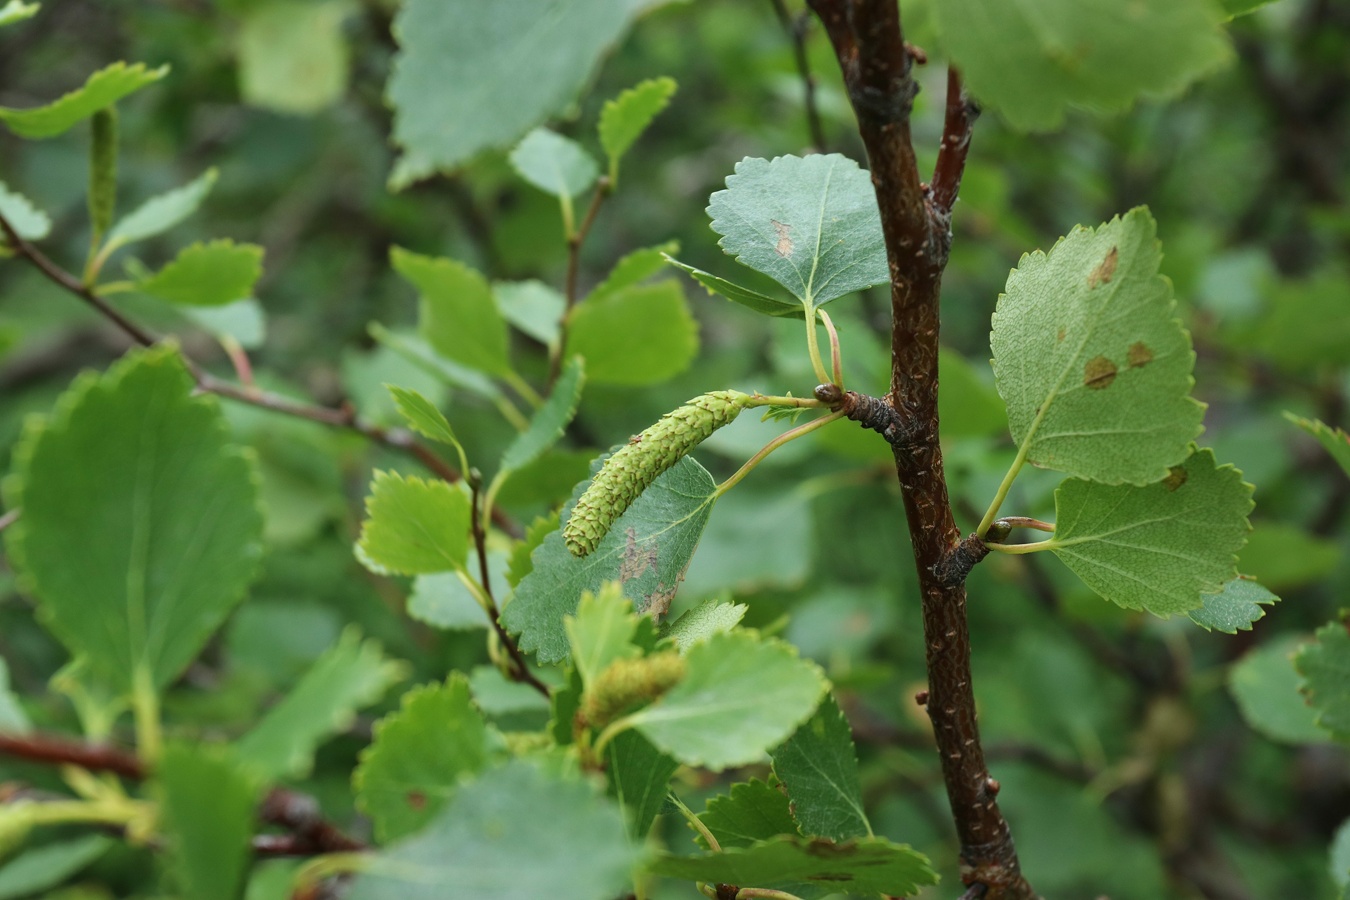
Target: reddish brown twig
column 571, row 293
column 962, row 112
column 300, row 815
column 795, row 28
column 62, row 751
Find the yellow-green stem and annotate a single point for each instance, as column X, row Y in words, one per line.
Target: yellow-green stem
column 1003, row 488
column 1022, row 549
column 813, row 347
column 696, row 823
column 836, row 358
column 145, row 712
column 785, row 437
column 522, row 387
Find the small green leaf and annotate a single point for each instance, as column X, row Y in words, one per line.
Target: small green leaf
column 349, row 676
column 17, row 11
column 13, row 720
column 819, row 767
column 1336, row 441
column 751, row 812
column 627, row 116
column 741, row 694
column 414, row 527
column 1266, row 686
column 550, row 420
column 103, row 170
column 422, row 415
column 1338, row 862
column 158, row 214
column 601, row 631
column 639, row 779
column 500, row 839
column 418, row 757
column 1032, row 63
column 1235, row 608
column 1089, row 357
column 713, row 616
column 459, row 316
column 167, row 522
column 45, row 867
column 242, row 321
column 533, row 307
column 214, row 274
column 751, row 299
column 293, row 56
column 554, row 164
column 104, row 88
column 31, row 223
column 1325, row 667
column 208, row 804
column 811, row 224
column 520, row 564
column 647, row 550
column 637, row 336
column 869, row 866
column 443, row 600
column 633, row 268
column 1159, row 548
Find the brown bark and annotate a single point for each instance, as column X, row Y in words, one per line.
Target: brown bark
column 869, row 44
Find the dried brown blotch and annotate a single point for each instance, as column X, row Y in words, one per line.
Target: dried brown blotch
column 1139, row 354
column 417, row 800
column 784, row 246
column 658, row 602
column 1176, row 477
column 1099, row 373
column 1102, row 274
column 1060, row 336
column 636, row 559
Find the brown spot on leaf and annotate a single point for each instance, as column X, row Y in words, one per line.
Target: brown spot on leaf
column 1102, row 274
column 1139, row 354
column 636, row 559
column 417, row 800
column 1060, row 336
column 1176, row 477
column 1099, row 373
column 784, row 246
column 657, row 603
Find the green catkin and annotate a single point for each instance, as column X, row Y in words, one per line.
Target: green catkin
column 632, row 468
column 625, row 683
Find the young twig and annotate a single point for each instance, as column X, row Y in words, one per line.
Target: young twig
column 575, row 240
column 796, row 28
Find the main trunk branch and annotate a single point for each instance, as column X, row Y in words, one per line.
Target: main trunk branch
column 870, row 45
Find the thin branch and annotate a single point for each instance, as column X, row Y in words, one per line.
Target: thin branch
column 962, row 112
column 344, row 417
column 796, row 31
column 55, row 751
column 300, row 815
column 575, row 240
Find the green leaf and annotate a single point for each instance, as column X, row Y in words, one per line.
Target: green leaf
column 751, row 812
column 633, row 268
column 751, row 299
column 494, row 70
column 443, row 600
column 293, row 56
column 17, row 11
column 168, row 520
column 811, row 224
column 601, row 631
column 500, row 839
column 241, row 320
column 533, row 307
column 1159, row 548
column 419, row 756
column 1325, row 667
column 213, row 274
column 713, row 616
column 550, row 420
column 647, row 550
column 1266, row 687
column 1336, row 441
column 1033, row 62
column 1338, row 862
column 414, row 527
column 554, row 164
column 520, row 564
column 13, row 720
column 1095, row 369
column 1235, row 608
column 459, row 316
column 627, row 116
column 104, row 88
column 208, row 804
column 869, row 866
column 349, row 676
column 1236, row 8
column 51, row 864
column 158, row 214
column 819, row 766
column 102, row 170
column 31, row 223
column 741, row 694
column 422, row 415
column 637, row 336
column 639, row 778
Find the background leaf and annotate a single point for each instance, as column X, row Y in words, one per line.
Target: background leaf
column 660, row 336
column 168, row 520
column 158, row 214
column 208, row 804
column 627, row 116
column 1235, row 608
column 31, row 223
column 104, row 88
column 459, row 316
column 293, row 55
column 1157, row 548
column 550, row 421
column 13, row 720
column 1095, row 370
column 45, row 867
column 1265, row 685
column 1335, row 440
column 17, row 11
column 1325, row 667
column 213, row 274
column 639, row 779
column 819, row 766
column 554, row 164
column 751, row 812
column 414, row 527
column 811, row 224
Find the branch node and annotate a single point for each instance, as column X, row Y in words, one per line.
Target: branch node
column 955, row 566
column 870, row 412
column 921, row 697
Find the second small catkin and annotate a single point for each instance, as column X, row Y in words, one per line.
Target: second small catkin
column 635, row 466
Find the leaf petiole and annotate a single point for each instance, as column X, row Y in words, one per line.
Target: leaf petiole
column 1022, row 549
column 695, row 822
column 785, row 437
column 836, row 360
column 813, row 345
